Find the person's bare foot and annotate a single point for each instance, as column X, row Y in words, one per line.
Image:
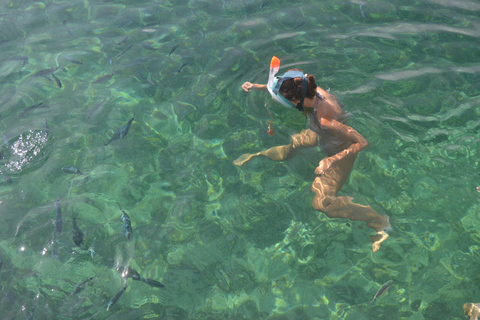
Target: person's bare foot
column 377, row 239
column 242, row 159
column 472, row 310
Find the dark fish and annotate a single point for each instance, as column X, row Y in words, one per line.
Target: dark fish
column 173, row 49
column 121, row 133
column 183, row 65
column 44, row 72
column 67, row 29
column 381, row 291
column 24, row 59
column 22, row 113
column 263, row 5
column 32, row 312
column 116, row 297
column 1, row 263
column 90, row 113
column 80, row 286
column 153, row 283
column 58, row 217
column 364, row 14
column 136, row 276
column 45, row 133
column 77, row 233
column 8, row 179
column 125, row 50
column 195, row 14
column 103, row 79
column 71, row 170
column 126, row 225
column 73, row 60
column 123, row 41
column 92, row 248
column 57, row 81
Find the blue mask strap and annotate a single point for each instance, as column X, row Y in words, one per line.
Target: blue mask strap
column 291, row 75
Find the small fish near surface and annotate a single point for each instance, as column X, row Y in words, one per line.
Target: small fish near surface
column 126, row 225
column 58, row 217
column 59, row 84
column 77, row 233
column 81, row 286
column 116, row 297
column 136, row 276
column 64, row 22
column 120, row 133
column 183, row 66
column 35, row 106
column 92, row 248
column 381, row 291
column 71, row 169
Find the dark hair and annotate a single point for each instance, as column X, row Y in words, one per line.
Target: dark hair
column 292, row 88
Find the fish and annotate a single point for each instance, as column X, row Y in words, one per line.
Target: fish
column 116, row 297
column 80, row 286
column 125, row 50
column 183, row 65
column 58, row 217
column 136, row 276
column 126, row 225
column 90, row 113
column 57, row 81
column 77, row 233
column 17, row 58
column 173, row 49
column 381, row 291
column 104, row 78
column 123, row 41
column 153, row 283
column 32, row 312
column 92, row 248
column 44, row 72
column 40, row 105
column 45, row 133
column 71, row 170
column 202, row 32
column 73, row 60
column 1, row 263
column 120, row 133
column 8, row 179
column 362, row 11
column 68, row 29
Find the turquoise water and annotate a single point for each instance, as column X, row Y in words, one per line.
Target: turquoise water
column 230, row 242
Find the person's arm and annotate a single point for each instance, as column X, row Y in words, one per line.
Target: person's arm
column 247, row 86
column 358, row 143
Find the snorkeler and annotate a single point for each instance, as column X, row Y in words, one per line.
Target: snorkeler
column 328, row 129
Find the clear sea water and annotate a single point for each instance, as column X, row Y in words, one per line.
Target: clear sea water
column 230, row 242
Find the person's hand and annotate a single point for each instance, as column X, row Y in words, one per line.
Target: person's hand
column 247, row 86
column 323, row 166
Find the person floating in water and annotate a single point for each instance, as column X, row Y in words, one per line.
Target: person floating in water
column 328, row 129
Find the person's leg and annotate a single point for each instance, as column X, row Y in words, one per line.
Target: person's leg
column 326, row 200
column 306, row 138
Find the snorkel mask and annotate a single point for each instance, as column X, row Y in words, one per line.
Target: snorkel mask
column 274, row 84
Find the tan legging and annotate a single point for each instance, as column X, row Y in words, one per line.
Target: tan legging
column 326, row 186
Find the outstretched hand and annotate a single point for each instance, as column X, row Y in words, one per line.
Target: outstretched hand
column 247, row 86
